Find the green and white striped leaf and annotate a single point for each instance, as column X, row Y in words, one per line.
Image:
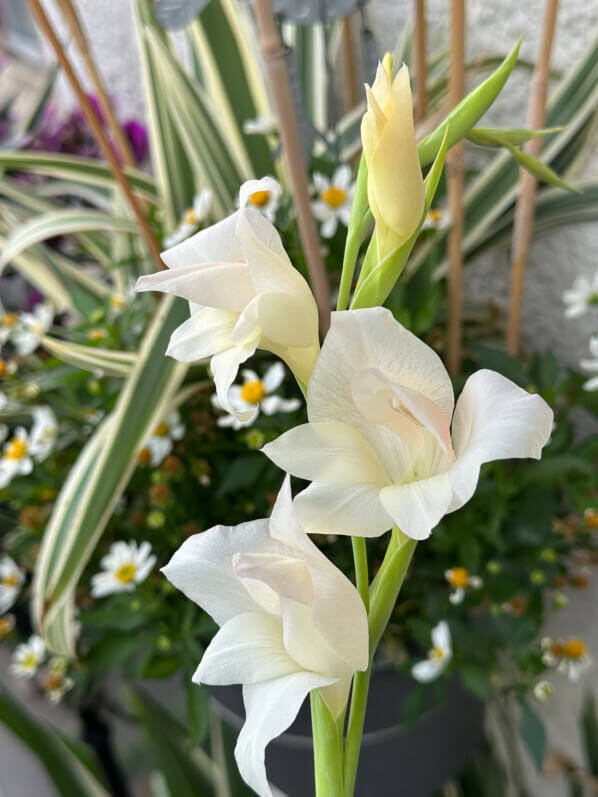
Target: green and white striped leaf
column 99, row 477
column 60, row 222
column 91, row 358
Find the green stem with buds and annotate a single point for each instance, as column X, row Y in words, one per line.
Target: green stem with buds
column 328, row 748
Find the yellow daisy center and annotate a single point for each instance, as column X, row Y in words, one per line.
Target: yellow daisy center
column 253, row 392
column 96, row 334
column 53, row 681
column 29, row 661
column 435, row 216
column 575, row 648
column 10, row 580
column 9, row 320
column 117, row 302
column 259, row 198
column 458, row 577
column 126, row 572
column 162, row 430
column 436, row 653
column 2, row 368
column 334, row 196
column 16, row 448
column 190, row 217
column 6, row 625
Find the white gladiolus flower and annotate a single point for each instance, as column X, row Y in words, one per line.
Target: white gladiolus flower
column 262, row 195
column 30, row 327
column 591, row 365
column 256, row 394
column 582, row 295
column 11, row 581
column 379, row 447
column 192, row 217
column 290, row 622
column 460, row 579
column 161, row 442
column 27, row 657
column 439, row 655
column 262, row 125
column 334, row 200
column 123, row 567
column 244, row 293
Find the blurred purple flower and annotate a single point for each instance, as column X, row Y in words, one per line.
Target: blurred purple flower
column 35, row 297
column 137, row 134
column 95, row 104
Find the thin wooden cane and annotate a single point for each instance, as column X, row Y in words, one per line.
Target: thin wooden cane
column 455, row 166
column 421, row 65
column 70, row 14
column 524, row 211
column 351, row 92
column 96, row 128
column 273, row 54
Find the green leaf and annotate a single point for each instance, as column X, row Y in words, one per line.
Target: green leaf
column 539, row 169
column 66, row 770
column 99, row 476
column 589, row 728
column 91, row 358
column 533, row 734
column 501, row 136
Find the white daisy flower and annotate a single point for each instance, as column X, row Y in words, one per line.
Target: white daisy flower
column 334, row 199
column 8, row 322
column 192, row 218
column 27, row 657
column 262, row 125
column 582, row 295
column 15, row 459
column 43, row 434
column 263, row 195
column 30, row 327
column 123, row 567
column 438, row 656
column 161, row 442
column 569, row 656
column 543, row 691
column 256, row 394
column 459, row 579
column 56, row 682
column 591, row 365
column 120, row 301
column 436, row 219
column 11, row 581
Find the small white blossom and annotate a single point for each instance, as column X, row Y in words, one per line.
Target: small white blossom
column 30, row 328
column 569, row 656
column 256, row 394
column 15, row 459
column 11, row 581
column 592, row 365
column 543, row 691
column 439, row 655
column 44, row 431
column 56, row 682
column 192, row 218
column 120, row 301
column 8, row 322
column 582, row 295
column 436, row 219
column 262, row 125
column 262, row 195
column 160, row 443
column 460, row 580
column 27, row 657
column 123, row 567
column 334, row 199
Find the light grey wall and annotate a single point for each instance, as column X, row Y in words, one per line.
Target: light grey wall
column 492, row 28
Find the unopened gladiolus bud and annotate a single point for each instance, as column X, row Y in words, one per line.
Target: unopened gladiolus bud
column 395, row 183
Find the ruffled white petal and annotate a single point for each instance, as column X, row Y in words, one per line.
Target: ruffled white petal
column 418, row 506
column 342, row 509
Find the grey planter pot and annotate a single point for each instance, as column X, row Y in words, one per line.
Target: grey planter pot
column 412, row 762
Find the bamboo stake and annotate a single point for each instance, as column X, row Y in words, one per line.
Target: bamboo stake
column 273, row 54
column 455, row 164
column 96, row 129
column 351, row 94
column 78, row 34
column 421, row 66
column 524, row 211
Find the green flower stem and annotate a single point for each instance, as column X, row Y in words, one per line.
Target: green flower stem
column 360, row 222
column 383, row 597
column 362, row 579
column 328, row 748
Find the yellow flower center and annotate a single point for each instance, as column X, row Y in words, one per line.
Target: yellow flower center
column 2, row 368
column 10, row 580
column 53, row 682
column 16, row 448
column 458, row 577
column 575, row 648
column 190, row 217
column 436, row 653
column 6, row 625
column 96, row 334
column 253, row 392
column 9, row 320
column 29, row 661
column 259, row 198
column 334, row 196
column 161, row 430
column 117, row 301
column 126, row 572
column 435, row 216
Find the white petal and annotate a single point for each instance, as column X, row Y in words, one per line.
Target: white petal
column 372, row 338
column 334, row 453
column 494, row 419
column 270, row 708
column 274, row 404
column 288, row 319
column 342, row 509
column 247, row 649
column 428, row 670
column 224, row 367
column 215, row 244
column 306, row 644
column 287, row 577
column 202, row 567
column 204, row 334
column 418, row 506
column 273, row 378
column 591, row 384
column 441, row 637
column 250, row 187
column 321, row 182
column 457, row 597
column 328, row 228
column 342, row 176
